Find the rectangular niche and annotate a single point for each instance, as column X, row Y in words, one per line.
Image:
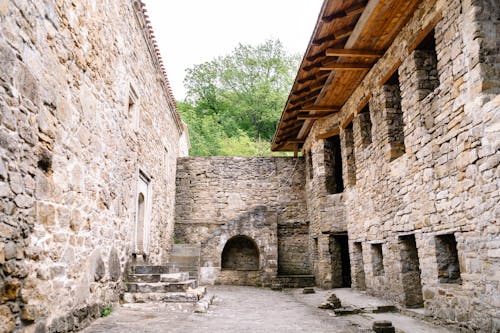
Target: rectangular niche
column 377, row 260
column 447, row 259
column 333, row 165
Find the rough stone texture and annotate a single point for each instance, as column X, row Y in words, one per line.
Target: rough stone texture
column 70, row 155
column 442, row 179
column 221, row 197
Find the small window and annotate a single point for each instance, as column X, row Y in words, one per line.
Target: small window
column 425, row 54
column 365, row 126
column 447, row 259
column 377, row 260
column 350, row 158
column 394, row 118
column 333, row 165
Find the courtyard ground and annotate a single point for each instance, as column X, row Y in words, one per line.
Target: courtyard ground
column 249, row 309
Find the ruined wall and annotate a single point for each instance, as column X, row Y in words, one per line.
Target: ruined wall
column 221, row 197
column 73, row 139
column 440, row 183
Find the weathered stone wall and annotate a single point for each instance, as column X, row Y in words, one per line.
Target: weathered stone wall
column 441, row 180
column 73, row 139
column 221, row 197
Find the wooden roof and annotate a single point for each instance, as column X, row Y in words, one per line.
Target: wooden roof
column 349, row 37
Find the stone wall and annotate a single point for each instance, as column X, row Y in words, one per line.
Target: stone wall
column 439, row 183
column 85, row 109
column 221, row 197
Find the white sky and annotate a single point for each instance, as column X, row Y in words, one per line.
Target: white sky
column 191, row 32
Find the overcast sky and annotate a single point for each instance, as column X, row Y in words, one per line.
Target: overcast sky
column 190, row 32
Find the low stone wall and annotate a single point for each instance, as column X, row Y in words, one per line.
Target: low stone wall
column 221, row 197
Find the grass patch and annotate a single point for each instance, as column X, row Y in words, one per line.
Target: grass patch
column 106, row 311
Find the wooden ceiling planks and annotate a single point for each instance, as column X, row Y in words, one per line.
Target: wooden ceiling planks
column 367, row 26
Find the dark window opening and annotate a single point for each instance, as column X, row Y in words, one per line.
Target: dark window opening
column 358, row 265
column 447, row 259
column 365, row 125
column 426, row 56
column 410, row 267
column 350, row 156
column 333, row 165
column 377, row 260
column 240, row 253
column 394, row 118
column 341, row 264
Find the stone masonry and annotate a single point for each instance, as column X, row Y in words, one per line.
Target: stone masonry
column 86, row 112
column 421, row 190
column 260, row 198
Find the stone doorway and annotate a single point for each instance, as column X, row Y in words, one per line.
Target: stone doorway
column 341, row 264
column 410, row 276
column 142, row 216
column 240, row 253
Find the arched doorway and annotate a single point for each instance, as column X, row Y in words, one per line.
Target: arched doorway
column 240, row 253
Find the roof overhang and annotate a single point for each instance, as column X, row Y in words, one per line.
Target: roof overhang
column 348, row 39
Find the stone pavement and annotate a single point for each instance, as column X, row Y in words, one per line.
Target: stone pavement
column 245, row 309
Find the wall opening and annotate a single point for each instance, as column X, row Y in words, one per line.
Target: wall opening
column 240, row 253
column 447, row 259
column 358, row 266
column 341, row 265
column 350, row 158
column 333, row 165
column 426, row 63
column 143, row 214
column 377, row 260
column 293, row 248
column 394, row 118
column 410, row 267
column 365, row 125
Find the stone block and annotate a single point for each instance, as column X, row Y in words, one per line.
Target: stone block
column 7, row 320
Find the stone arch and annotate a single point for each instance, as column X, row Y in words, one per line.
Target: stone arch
column 240, row 253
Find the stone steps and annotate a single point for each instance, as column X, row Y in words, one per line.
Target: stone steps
column 150, row 283
column 169, row 297
column 160, row 287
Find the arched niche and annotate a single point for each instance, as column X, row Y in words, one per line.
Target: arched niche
column 240, row 253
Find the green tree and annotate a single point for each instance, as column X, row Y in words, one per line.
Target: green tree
column 235, row 101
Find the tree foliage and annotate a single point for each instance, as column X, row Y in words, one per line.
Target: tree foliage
column 234, row 102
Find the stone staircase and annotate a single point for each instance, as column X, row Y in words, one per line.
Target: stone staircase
column 148, row 283
column 185, row 258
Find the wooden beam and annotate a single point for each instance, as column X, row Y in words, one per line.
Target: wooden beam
column 362, row 103
column 421, row 34
column 389, row 73
column 296, row 141
column 291, row 130
column 353, row 10
column 347, row 121
column 345, row 67
column 307, row 116
column 320, row 108
column 353, row 53
column 361, row 24
column 330, row 133
column 296, row 150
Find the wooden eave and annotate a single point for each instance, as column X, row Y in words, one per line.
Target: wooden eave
column 348, row 39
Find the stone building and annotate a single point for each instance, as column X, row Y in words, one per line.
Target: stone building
column 89, row 139
column 396, row 111
column 396, row 107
